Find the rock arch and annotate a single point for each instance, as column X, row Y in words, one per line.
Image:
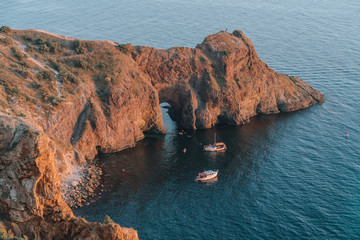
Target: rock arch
column 222, row 80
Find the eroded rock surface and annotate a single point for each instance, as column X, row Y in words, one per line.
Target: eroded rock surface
column 63, row 100
column 222, row 80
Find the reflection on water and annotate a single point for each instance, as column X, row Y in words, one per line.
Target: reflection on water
column 273, row 177
column 157, row 174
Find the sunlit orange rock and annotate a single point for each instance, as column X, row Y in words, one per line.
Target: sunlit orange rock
column 63, row 100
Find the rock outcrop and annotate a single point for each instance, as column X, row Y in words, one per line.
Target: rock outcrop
column 222, row 80
column 63, row 100
column 31, row 189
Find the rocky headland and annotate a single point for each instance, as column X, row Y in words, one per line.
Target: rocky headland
column 64, row 100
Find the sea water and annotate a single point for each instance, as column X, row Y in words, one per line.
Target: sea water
column 285, row 176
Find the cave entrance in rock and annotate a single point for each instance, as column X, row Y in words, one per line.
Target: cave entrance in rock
column 169, row 123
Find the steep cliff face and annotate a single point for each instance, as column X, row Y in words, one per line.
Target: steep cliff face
column 63, row 100
column 31, row 189
column 29, row 179
column 222, row 80
column 61, row 103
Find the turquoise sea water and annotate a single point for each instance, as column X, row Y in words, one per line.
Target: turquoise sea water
column 286, row 176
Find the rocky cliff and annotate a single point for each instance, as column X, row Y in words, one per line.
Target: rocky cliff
column 63, row 100
column 222, row 80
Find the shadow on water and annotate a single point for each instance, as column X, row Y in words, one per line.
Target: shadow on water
column 137, row 177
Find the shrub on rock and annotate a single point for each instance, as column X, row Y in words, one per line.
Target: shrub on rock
column 107, row 219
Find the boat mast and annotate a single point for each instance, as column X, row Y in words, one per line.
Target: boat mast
column 214, row 138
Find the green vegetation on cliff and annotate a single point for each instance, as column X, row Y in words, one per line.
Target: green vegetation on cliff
column 8, row 234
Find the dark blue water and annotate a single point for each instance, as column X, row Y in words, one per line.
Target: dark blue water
column 287, row 176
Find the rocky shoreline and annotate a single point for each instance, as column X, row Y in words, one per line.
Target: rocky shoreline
column 64, row 100
column 81, row 192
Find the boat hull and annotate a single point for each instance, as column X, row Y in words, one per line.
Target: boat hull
column 208, row 177
column 218, row 147
column 214, row 150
